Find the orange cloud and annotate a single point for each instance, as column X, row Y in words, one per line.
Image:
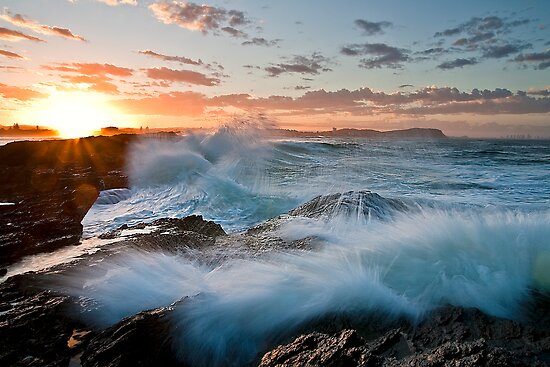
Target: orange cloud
column 95, row 83
column 181, row 76
column 21, row 94
column 91, row 69
column 11, row 35
column 168, row 104
column 11, row 55
column 21, row 21
column 359, row 102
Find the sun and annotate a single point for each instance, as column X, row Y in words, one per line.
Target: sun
column 76, row 114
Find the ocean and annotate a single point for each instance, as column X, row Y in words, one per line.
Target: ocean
column 420, row 224
column 239, row 179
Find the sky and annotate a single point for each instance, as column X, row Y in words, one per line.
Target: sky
column 475, row 68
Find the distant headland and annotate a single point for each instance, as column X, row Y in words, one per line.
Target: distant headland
column 17, row 130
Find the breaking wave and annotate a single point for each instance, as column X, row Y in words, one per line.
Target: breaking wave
column 221, row 176
column 455, row 223
column 404, row 267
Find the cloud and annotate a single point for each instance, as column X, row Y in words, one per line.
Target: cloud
column 91, row 69
column 11, row 35
column 485, row 35
column 539, row 92
column 432, row 51
column 21, row 94
column 498, row 52
column 448, row 32
column 457, row 63
column 10, row 67
column 181, row 76
column 21, row 21
column 93, row 76
column 385, row 55
column 203, row 18
column 313, row 65
column 359, row 102
column 485, row 25
column 96, row 83
column 472, row 42
column 118, row 2
column 11, row 55
column 234, row 32
column 372, row 28
column 542, row 59
column 180, row 59
column 168, row 104
column 260, row 41
column 511, row 105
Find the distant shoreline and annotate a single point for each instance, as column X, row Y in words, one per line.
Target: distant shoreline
column 412, row 133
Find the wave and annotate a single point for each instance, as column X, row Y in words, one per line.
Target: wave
column 113, row 196
column 403, row 267
column 220, row 176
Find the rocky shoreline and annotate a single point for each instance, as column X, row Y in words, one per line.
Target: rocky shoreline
column 40, row 326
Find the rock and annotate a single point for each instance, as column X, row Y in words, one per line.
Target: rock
column 345, row 348
column 34, row 326
column 53, row 184
column 450, row 337
column 193, row 223
column 356, row 204
column 139, row 340
column 169, row 234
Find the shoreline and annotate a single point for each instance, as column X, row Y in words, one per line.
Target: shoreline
column 45, row 314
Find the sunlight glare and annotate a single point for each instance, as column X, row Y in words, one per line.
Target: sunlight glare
column 76, row 114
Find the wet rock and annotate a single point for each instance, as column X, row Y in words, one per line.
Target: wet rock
column 168, row 234
column 34, row 326
column 450, row 337
column 139, row 340
column 193, row 223
column 346, row 348
column 52, row 185
column 358, row 204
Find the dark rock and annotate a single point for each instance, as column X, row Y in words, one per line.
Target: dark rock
column 345, row 348
column 193, row 223
column 34, row 326
column 170, row 234
column 363, row 204
column 450, row 337
column 53, row 184
column 139, row 340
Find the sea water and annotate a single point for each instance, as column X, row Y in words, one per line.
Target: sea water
column 474, row 232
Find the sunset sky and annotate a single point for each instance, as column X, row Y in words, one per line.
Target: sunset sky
column 476, row 68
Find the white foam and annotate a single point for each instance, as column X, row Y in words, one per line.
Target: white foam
column 221, row 176
column 403, row 268
column 113, row 196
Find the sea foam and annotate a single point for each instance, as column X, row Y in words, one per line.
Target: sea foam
column 403, row 268
column 220, row 175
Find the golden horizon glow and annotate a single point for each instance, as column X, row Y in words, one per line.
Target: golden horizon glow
column 75, row 114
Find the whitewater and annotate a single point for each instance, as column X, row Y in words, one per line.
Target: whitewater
column 419, row 225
